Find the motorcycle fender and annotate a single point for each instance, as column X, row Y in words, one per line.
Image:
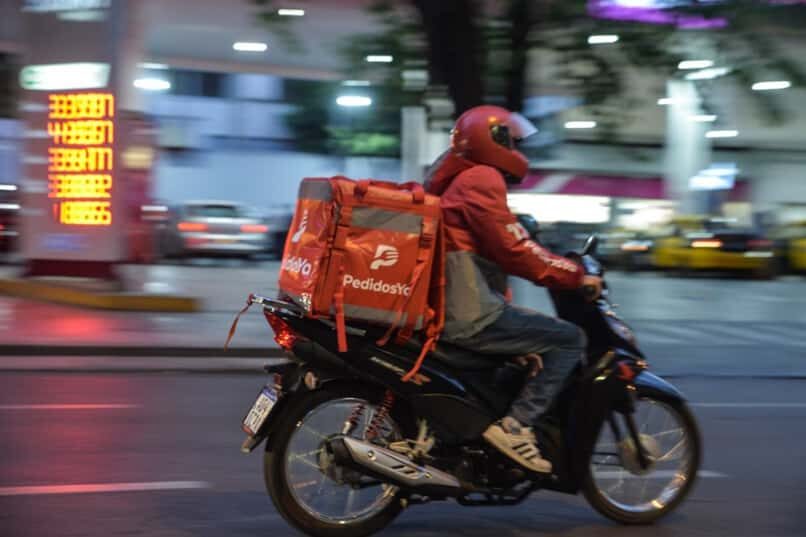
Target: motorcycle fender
column 652, row 384
column 292, row 381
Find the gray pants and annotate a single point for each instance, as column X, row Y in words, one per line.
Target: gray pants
column 520, row 331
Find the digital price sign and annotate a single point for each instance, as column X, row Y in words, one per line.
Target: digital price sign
column 76, row 198
column 81, row 163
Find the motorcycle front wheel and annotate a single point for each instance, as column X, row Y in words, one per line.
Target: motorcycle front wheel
column 617, row 486
column 307, row 488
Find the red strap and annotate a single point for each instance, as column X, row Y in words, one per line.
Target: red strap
column 338, row 301
column 341, row 326
column 429, row 344
column 234, row 326
column 337, row 259
column 419, row 268
column 417, row 190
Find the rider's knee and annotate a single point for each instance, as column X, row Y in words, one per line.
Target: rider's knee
column 573, row 336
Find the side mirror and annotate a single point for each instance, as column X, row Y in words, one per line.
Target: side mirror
column 591, row 245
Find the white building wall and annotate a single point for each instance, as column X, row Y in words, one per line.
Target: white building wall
column 262, row 179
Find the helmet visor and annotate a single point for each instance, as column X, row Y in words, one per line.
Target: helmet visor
column 520, row 128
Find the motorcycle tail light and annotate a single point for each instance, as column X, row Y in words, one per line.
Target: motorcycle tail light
column 283, row 334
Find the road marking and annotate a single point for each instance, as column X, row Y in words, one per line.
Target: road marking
column 91, row 488
column 750, row 405
column 80, row 406
column 660, row 474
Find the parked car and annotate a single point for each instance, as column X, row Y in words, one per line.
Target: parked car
column 627, row 249
column 530, row 224
column 9, row 218
column 279, row 223
column 200, row 228
column 790, row 244
column 700, row 243
column 797, row 255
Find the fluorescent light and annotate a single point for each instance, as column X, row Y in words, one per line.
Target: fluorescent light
column 249, row 46
column 695, row 64
column 605, row 39
column 771, row 85
column 291, row 12
column 703, row 118
column 152, row 84
column 380, row 58
column 154, row 66
column 580, row 124
column 8, row 188
column 65, row 76
column 353, row 100
column 722, row 134
column 669, row 101
column 355, row 83
column 708, row 74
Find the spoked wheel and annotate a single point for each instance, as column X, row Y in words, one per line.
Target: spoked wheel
column 313, row 493
column 619, row 487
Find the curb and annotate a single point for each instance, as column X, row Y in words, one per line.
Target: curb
column 108, row 301
column 141, row 351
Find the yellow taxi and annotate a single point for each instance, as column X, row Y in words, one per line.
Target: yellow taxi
column 702, row 243
column 797, row 254
column 791, row 240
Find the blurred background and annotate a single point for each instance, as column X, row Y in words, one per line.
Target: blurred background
column 674, row 129
column 150, row 155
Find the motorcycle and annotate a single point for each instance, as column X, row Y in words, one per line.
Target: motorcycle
column 349, row 445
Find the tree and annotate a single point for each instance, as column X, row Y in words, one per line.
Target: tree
column 484, row 52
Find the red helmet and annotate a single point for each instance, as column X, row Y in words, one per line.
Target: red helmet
column 487, row 135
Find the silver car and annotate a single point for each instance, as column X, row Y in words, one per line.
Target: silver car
column 215, row 228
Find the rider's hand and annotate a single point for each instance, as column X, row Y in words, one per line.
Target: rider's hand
column 592, row 285
column 533, row 361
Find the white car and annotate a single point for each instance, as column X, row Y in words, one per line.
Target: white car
column 215, row 228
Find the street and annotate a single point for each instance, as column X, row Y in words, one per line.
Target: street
column 149, row 446
column 177, row 438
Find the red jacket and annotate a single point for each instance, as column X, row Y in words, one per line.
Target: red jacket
column 484, row 243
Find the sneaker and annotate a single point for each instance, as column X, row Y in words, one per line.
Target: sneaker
column 518, row 443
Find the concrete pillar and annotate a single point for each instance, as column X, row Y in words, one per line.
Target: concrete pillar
column 687, row 149
column 413, row 132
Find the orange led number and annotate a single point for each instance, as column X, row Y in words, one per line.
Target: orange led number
column 85, row 213
column 80, row 158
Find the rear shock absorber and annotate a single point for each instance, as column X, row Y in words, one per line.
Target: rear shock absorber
column 380, row 416
column 352, row 421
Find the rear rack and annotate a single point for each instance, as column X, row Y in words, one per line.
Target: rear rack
column 274, row 305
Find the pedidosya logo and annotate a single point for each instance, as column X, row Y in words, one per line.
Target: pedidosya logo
column 377, row 286
column 385, row 256
column 298, row 265
column 302, row 225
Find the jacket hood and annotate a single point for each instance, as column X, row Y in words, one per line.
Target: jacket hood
column 443, row 170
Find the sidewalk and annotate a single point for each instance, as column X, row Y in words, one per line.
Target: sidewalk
column 35, row 328
column 39, row 328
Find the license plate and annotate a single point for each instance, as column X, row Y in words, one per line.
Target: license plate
column 225, row 241
column 257, row 415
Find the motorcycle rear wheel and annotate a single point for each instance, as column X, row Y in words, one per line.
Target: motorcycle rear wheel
column 641, row 504
column 295, row 477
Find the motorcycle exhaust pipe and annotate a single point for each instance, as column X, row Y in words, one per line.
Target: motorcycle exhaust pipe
column 393, row 467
